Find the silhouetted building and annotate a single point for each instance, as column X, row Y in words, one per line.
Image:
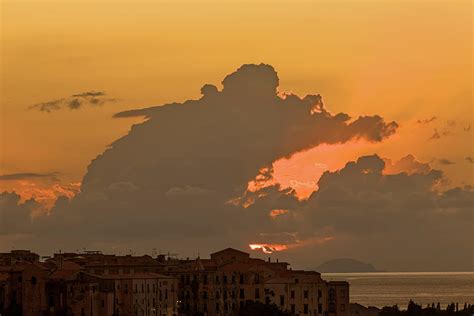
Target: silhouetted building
column 92, row 283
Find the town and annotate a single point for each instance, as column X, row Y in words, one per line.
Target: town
column 91, row 283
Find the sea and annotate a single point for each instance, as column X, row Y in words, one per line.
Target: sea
column 398, row 288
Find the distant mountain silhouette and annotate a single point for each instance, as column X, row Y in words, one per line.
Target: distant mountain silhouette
column 346, row 265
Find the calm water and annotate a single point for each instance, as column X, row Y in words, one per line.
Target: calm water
column 390, row 288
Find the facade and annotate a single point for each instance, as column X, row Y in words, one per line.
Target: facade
column 91, row 283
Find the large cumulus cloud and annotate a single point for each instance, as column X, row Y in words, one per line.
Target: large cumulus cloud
column 178, row 180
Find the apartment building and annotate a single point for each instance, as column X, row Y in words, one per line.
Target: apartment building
column 94, row 284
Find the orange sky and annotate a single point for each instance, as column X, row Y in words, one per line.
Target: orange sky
column 404, row 60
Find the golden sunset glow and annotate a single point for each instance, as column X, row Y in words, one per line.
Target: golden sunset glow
column 271, row 248
column 273, row 124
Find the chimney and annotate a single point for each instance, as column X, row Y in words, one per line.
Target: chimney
column 60, row 260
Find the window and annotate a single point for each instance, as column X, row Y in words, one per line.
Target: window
column 343, row 293
column 148, row 288
column 282, row 300
column 320, row 293
column 204, row 295
column 217, row 307
column 297, row 281
column 343, row 307
column 51, row 301
column 320, row 308
column 257, row 293
column 33, row 280
column 292, row 308
column 332, row 294
column 217, row 279
column 241, row 279
column 205, row 279
column 217, row 294
column 292, row 294
column 143, row 288
column 305, row 308
column 242, row 293
column 225, row 279
column 102, row 303
column 305, row 293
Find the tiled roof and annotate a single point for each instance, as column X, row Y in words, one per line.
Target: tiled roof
column 230, row 250
column 148, row 275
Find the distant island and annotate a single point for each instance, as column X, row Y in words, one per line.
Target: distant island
column 346, row 265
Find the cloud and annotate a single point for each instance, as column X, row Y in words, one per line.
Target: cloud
column 179, row 179
column 74, row 102
column 362, row 202
column 445, row 162
column 408, row 164
column 436, row 135
column 89, row 94
column 470, row 159
column 15, row 217
column 427, row 121
column 28, row 175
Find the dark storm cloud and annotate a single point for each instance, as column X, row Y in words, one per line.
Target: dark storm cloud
column 74, row 102
column 15, row 216
column 403, row 210
column 179, row 180
column 28, row 175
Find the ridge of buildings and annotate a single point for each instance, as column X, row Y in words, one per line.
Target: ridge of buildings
column 92, row 283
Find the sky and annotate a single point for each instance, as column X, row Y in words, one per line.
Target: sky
column 68, row 67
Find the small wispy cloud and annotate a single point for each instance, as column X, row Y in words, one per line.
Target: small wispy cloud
column 470, row 159
column 28, row 175
column 73, row 102
column 444, row 161
column 427, row 121
column 435, row 135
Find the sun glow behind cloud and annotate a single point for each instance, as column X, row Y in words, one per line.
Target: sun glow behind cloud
column 302, row 171
column 270, row 248
column 43, row 192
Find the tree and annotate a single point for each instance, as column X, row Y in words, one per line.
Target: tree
column 252, row 308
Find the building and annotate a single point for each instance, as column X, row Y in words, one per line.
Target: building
column 96, row 284
column 222, row 285
column 14, row 256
